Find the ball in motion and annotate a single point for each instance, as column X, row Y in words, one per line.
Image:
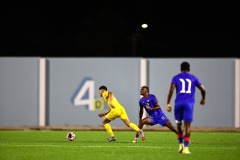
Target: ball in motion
column 71, row 136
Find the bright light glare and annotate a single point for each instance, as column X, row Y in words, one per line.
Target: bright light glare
column 144, row 25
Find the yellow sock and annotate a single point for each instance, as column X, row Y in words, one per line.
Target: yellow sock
column 109, row 129
column 134, row 127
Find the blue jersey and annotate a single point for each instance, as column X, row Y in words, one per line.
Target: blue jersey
column 151, row 101
column 185, row 96
column 185, row 87
column 156, row 116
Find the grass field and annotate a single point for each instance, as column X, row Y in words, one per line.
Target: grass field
column 92, row 145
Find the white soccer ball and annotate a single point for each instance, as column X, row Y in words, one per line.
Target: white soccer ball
column 71, row 136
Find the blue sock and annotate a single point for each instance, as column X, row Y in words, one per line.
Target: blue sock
column 137, row 134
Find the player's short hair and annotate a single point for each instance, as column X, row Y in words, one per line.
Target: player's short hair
column 103, row 87
column 185, row 66
column 146, row 88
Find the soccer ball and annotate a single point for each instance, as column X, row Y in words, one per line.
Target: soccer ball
column 71, row 136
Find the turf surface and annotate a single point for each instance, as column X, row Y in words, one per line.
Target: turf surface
column 92, row 145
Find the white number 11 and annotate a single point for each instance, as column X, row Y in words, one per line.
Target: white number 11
column 188, row 81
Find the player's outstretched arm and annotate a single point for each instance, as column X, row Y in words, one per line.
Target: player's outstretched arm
column 103, row 114
column 170, row 93
column 203, row 93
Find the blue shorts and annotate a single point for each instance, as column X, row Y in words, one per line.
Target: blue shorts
column 183, row 112
column 162, row 119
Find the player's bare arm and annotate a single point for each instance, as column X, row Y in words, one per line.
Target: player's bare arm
column 170, row 93
column 140, row 116
column 156, row 107
column 103, row 114
column 203, row 93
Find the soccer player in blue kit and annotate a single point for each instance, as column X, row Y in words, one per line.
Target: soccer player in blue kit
column 156, row 116
column 185, row 84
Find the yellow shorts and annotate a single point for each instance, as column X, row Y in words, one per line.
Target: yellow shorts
column 117, row 113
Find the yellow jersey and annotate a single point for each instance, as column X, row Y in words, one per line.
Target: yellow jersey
column 115, row 102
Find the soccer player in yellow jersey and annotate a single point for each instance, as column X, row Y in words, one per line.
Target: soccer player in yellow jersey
column 116, row 110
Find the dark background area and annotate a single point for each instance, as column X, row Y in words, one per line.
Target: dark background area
column 114, row 30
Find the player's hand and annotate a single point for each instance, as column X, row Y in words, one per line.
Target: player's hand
column 169, row 108
column 149, row 108
column 100, row 115
column 202, row 102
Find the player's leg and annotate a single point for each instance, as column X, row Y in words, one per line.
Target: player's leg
column 143, row 122
column 128, row 123
column 187, row 118
column 106, row 122
column 140, row 126
column 163, row 120
column 170, row 126
column 124, row 117
column 178, row 115
column 186, row 137
column 190, row 140
column 180, row 136
column 134, row 127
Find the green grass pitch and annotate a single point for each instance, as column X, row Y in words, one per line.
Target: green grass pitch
column 92, row 145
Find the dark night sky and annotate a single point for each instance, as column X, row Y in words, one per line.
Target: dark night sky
column 107, row 30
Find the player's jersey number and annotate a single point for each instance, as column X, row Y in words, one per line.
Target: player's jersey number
column 185, row 82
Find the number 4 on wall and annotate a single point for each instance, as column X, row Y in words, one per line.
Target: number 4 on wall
column 84, row 96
